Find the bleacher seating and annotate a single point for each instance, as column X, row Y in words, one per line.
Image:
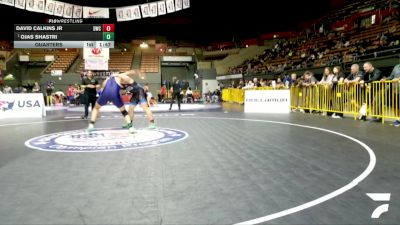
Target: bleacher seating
column 6, row 46
column 361, row 42
column 119, row 61
column 219, row 54
column 63, row 60
column 150, row 62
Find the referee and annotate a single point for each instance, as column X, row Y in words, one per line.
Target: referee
column 90, row 84
column 176, row 92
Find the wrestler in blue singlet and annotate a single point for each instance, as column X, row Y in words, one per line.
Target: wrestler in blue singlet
column 111, row 93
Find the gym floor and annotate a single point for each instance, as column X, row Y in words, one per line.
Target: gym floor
column 211, row 165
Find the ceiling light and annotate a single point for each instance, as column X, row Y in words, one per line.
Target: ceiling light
column 144, row 45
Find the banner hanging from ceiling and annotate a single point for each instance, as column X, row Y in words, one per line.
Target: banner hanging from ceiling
column 127, row 13
column 93, row 12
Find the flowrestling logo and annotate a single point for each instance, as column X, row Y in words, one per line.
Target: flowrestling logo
column 102, row 140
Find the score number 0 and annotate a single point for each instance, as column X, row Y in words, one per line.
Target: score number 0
column 108, row 27
column 108, row 32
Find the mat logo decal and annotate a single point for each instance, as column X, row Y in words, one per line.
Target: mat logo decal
column 379, row 197
column 102, row 140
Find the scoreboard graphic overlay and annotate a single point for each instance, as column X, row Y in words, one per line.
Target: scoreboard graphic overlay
column 64, row 36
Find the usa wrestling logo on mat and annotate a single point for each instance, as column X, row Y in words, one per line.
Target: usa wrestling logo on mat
column 102, row 140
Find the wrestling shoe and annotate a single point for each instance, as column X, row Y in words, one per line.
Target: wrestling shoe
column 396, row 123
column 127, row 126
column 130, row 127
column 90, row 128
column 152, row 126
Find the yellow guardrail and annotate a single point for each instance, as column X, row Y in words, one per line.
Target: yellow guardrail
column 233, row 95
column 380, row 98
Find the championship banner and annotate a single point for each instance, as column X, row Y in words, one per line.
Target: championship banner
column 170, row 6
column 78, row 10
column 96, row 58
column 127, row 13
column 153, row 9
column 161, row 8
column 35, row 5
column 39, row 6
column 93, row 12
column 136, row 12
column 68, row 10
column 186, row 4
column 178, row 5
column 50, row 6
column 120, row 14
column 96, row 64
column 30, row 4
column 7, row 2
column 145, row 10
column 59, row 9
column 20, row 4
column 96, row 53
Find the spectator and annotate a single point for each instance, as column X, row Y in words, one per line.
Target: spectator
column 291, row 80
column 163, row 93
column 327, row 77
column 216, row 95
column 36, row 88
column 308, row 81
column 70, row 94
column 372, row 74
column 355, row 75
column 59, row 98
column 49, row 93
column 353, row 78
column 7, row 90
column 395, row 78
column 189, row 95
column 338, row 78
